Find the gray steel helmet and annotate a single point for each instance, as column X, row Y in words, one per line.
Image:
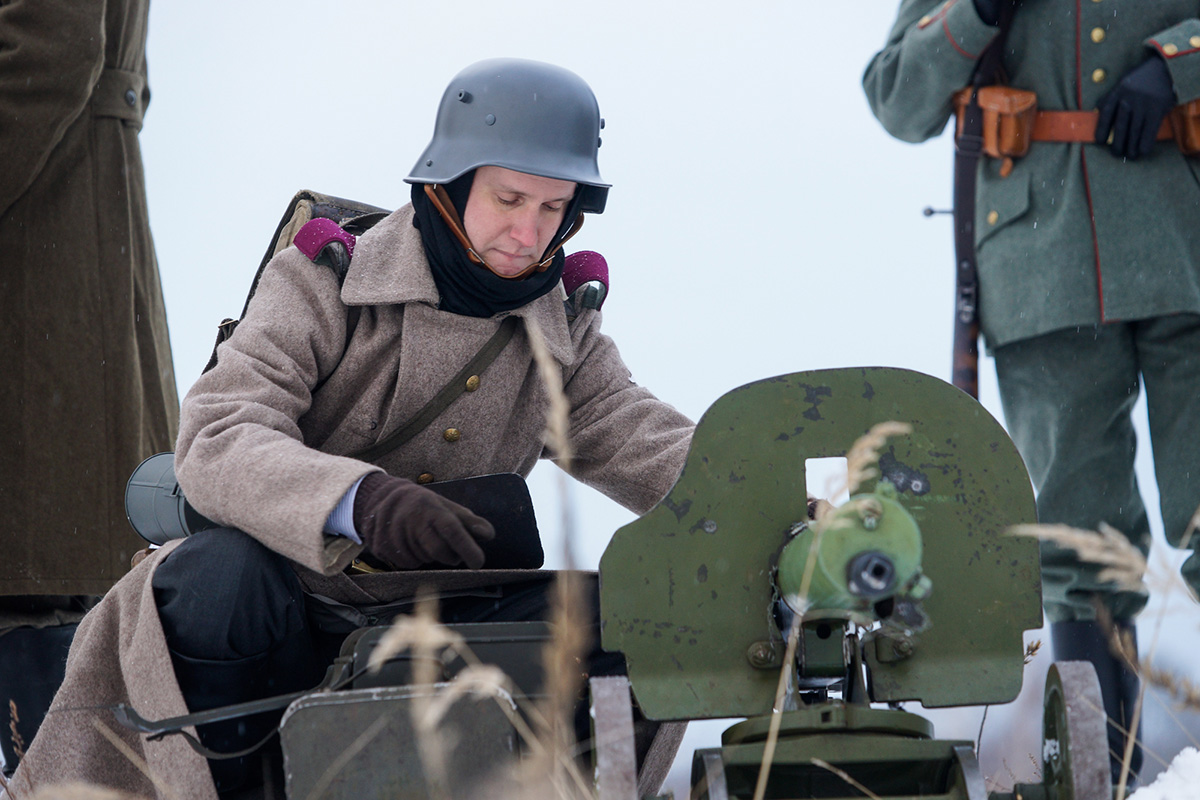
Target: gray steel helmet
column 523, row 115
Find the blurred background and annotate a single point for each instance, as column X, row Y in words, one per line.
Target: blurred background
column 760, row 220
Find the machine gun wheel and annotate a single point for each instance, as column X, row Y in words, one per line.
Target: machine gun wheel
column 1074, row 736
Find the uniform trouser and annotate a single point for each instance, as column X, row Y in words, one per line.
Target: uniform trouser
column 35, row 635
column 1067, row 398
column 235, row 620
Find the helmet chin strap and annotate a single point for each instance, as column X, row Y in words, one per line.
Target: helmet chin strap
column 441, row 201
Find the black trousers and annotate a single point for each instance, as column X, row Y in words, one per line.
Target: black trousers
column 238, row 628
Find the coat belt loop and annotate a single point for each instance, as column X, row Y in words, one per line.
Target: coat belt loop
column 121, row 94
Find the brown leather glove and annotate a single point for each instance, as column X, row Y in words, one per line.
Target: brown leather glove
column 407, row 526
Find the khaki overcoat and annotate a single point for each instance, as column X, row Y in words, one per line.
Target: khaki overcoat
column 262, row 448
column 88, row 388
column 1073, row 236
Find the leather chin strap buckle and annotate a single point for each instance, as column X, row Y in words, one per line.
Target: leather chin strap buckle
column 440, row 198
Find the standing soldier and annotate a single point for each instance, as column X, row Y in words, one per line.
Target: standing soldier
column 88, row 388
column 1088, row 253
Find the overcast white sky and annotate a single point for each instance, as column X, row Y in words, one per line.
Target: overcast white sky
column 760, row 221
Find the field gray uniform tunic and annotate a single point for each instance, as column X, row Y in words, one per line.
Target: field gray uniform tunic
column 260, row 450
column 1089, row 265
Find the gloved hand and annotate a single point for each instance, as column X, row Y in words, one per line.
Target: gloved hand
column 988, row 10
column 407, row 526
column 1134, row 109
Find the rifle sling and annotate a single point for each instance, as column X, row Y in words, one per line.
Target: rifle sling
column 449, row 393
column 967, row 151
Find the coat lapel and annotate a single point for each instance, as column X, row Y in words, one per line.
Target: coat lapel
column 389, row 267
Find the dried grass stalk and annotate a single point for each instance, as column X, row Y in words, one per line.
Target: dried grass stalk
column 557, row 418
column 346, row 756
column 785, row 672
column 479, row 680
column 79, row 791
column 860, row 466
column 420, row 632
column 1193, row 526
column 841, row 773
column 564, row 660
column 551, row 767
column 863, row 456
column 161, row 787
column 18, row 741
column 1185, row 693
column 1124, row 565
column 558, row 426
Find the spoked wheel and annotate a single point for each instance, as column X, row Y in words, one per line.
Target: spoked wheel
column 1074, row 736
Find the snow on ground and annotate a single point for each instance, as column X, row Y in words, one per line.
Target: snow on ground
column 1181, row 781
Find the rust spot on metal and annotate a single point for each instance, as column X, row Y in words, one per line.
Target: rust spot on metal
column 702, row 574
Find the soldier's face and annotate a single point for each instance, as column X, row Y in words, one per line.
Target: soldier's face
column 511, row 217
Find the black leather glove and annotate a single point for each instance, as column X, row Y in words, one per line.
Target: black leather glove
column 406, row 526
column 988, row 10
column 1131, row 113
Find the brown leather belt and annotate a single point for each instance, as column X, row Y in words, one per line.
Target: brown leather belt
column 1078, row 126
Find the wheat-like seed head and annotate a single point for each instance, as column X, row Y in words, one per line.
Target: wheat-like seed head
column 863, row 455
column 1124, row 565
column 419, row 632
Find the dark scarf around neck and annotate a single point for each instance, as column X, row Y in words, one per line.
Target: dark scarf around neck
column 472, row 289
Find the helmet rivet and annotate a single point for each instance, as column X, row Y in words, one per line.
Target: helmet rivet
column 599, row 141
column 602, row 123
column 429, row 163
column 490, row 119
column 464, row 96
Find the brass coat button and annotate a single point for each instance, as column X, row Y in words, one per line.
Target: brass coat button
column 472, row 383
column 425, row 477
column 925, row 20
column 1098, row 35
column 1170, row 49
column 1098, row 75
column 993, row 217
column 1194, row 41
column 452, row 434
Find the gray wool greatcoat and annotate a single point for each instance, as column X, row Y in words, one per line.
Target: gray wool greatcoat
column 88, row 389
column 259, row 450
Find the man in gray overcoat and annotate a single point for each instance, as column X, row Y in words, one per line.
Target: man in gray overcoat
column 280, row 441
column 1088, row 253
column 88, row 389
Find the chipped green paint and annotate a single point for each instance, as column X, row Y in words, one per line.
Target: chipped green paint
column 686, row 590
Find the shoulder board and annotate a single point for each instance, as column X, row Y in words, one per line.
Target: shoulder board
column 324, row 242
column 585, row 280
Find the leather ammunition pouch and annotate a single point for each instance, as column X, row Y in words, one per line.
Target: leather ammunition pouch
column 1185, row 121
column 1008, row 117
